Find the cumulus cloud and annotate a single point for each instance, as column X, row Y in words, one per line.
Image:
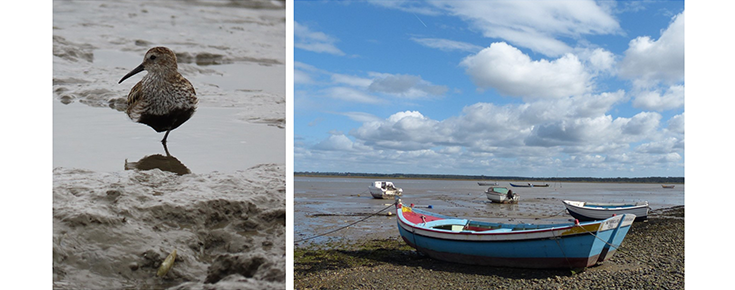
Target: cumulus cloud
column 672, row 98
column 409, row 130
column 676, row 124
column 648, row 62
column 536, row 25
column 335, row 142
column 314, row 41
column 508, row 70
column 598, row 60
column 642, row 124
column 571, row 132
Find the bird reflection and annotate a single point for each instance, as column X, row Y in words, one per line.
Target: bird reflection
column 164, row 163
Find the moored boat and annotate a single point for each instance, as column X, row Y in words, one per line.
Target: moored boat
column 487, row 183
column 667, row 186
column 499, row 194
column 586, row 211
column 384, row 189
column 529, row 185
column 574, row 245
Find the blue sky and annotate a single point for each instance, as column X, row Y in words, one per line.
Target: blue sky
column 529, row 88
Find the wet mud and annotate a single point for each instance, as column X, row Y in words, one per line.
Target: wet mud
column 113, row 230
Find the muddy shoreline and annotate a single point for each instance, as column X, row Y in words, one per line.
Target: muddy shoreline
column 113, row 230
column 651, row 257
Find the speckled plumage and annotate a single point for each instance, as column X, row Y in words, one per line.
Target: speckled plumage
column 163, row 99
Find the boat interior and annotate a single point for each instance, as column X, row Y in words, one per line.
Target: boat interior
column 458, row 225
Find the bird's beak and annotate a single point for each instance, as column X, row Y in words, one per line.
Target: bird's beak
column 136, row 70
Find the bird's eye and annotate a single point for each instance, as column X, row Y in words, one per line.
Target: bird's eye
column 153, row 57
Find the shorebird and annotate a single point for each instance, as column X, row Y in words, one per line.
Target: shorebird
column 163, row 99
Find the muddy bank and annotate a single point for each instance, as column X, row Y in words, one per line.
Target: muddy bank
column 651, row 257
column 113, row 230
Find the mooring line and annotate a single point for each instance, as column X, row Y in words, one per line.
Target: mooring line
column 616, row 248
column 344, row 227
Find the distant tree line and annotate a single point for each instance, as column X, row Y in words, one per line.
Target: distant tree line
column 652, row 179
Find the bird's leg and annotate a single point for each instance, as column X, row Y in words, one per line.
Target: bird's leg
column 165, row 148
column 165, row 136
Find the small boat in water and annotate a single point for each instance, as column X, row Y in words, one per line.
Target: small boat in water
column 384, row 189
column 499, row 194
column 529, row 185
column 667, row 186
column 487, row 183
column 586, row 211
column 458, row 240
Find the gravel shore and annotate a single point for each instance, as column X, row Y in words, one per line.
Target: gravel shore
column 651, row 257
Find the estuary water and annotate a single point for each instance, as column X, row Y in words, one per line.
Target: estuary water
column 324, row 204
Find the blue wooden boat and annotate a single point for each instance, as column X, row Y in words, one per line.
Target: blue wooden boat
column 573, row 245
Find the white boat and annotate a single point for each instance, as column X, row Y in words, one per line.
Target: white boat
column 501, row 195
column 384, row 189
column 599, row 210
column 487, row 183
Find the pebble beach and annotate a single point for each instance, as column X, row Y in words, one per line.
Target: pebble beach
column 651, row 257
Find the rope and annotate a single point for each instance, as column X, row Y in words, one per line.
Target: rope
column 616, row 248
column 344, row 227
column 556, row 239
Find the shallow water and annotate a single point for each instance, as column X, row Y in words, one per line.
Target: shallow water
column 214, row 139
column 324, row 204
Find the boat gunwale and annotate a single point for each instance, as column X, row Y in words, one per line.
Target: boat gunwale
column 637, row 205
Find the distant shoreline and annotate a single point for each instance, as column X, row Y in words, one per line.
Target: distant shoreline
column 479, row 178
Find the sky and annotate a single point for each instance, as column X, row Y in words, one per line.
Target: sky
column 496, row 88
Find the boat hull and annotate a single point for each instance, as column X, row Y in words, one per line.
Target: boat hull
column 500, row 194
column 383, row 194
column 568, row 246
column 599, row 211
column 384, row 190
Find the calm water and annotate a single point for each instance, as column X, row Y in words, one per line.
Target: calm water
column 102, row 139
column 322, row 204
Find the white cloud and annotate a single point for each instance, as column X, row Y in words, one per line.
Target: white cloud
column 447, row 45
column 410, row 6
column 409, row 130
column 648, row 62
column 598, row 60
column 582, row 131
column 513, row 73
column 352, row 95
column 676, row 124
column 642, row 124
column 361, row 117
column 351, row 80
column 301, row 77
column 536, row 25
column 335, row 142
column 653, row 100
column 314, row 41
column 409, row 86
